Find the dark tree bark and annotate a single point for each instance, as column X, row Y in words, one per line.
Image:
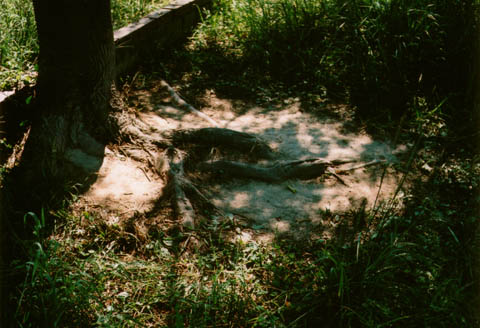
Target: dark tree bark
column 77, row 54
column 74, row 87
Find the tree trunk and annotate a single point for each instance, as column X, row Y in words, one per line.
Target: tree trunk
column 74, row 88
column 77, row 54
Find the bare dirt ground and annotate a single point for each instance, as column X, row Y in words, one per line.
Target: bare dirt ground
column 128, row 186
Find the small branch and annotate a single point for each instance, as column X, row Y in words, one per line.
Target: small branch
column 145, row 173
column 375, row 162
column 331, row 170
column 186, row 106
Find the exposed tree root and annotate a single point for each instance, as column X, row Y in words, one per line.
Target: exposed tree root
column 307, row 169
column 225, row 138
column 176, row 177
column 168, row 151
column 183, row 192
column 301, row 169
column 170, row 165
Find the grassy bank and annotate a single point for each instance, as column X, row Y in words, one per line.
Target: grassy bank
column 18, row 40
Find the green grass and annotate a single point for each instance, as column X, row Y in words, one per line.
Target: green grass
column 18, row 43
column 125, row 12
column 18, row 40
column 408, row 268
column 378, row 55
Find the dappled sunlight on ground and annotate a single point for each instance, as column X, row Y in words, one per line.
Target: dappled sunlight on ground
column 126, row 184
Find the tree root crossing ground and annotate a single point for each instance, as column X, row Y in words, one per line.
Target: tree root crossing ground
column 278, row 169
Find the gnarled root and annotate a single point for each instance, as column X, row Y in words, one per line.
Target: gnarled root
column 225, row 138
column 303, row 169
column 173, row 169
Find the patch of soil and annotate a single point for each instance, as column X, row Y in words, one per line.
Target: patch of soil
column 124, row 186
column 128, row 183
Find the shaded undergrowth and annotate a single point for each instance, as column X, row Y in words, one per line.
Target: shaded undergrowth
column 391, row 267
column 384, row 57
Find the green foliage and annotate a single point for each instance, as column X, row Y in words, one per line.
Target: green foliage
column 53, row 293
column 126, row 11
column 18, row 42
column 378, row 54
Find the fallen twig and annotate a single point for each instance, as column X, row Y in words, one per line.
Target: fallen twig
column 183, row 104
column 331, row 170
column 375, row 162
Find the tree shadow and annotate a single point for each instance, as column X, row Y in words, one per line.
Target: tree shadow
column 25, row 195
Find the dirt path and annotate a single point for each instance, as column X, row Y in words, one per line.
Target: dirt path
column 127, row 184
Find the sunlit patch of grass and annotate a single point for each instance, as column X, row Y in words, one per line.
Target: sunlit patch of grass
column 18, row 42
column 125, row 12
